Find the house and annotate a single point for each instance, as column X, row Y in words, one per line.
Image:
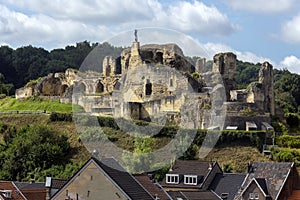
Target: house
column 269, row 180
column 257, row 189
column 190, row 175
column 9, row 191
column 102, row 178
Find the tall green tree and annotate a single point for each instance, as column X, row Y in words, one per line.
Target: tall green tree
column 32, row 147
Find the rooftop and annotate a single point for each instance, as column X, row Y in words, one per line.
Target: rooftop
column 274, row 173
column 152, row 186
column 123, row 179
column 227, row 183
column 9, row 186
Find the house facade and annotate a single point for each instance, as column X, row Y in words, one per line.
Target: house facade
column 102, row 179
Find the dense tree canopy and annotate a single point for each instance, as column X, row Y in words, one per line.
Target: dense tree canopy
column 30, row 148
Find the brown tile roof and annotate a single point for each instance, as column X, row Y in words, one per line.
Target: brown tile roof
column 15, row 194
column 152, row 186
column 58, row 183
column 191, row 167
column 34, row 194
column 32, row 191
column 274, row 173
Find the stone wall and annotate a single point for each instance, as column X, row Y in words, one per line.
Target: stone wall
column 154, row 80
column 225, row 64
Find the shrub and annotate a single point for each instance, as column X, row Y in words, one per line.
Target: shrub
column 289, row 141
column 55, row 116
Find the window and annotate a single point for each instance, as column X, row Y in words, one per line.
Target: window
column 172, row 178
column 253, row 196
column 148, row 88
column 190, row 179
column 171, row 82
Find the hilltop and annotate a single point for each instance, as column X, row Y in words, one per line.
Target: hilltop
column 231, row 155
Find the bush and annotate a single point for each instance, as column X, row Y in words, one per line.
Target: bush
column 66, row 117
column 289, row 141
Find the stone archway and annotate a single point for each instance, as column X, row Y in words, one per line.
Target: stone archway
column 81, row 88
column 99, row 87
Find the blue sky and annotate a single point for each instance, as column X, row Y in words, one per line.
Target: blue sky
column 255, row 30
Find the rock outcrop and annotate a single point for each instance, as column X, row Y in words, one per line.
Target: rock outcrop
column 52, row 85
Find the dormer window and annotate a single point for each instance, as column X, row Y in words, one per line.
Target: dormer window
column 190, row 179
column 253, row 196
column 172, row 178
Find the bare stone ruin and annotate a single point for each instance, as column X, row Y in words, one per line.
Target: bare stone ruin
column 152, row 89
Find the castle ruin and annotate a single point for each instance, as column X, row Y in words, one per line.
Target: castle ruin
column 152, row 88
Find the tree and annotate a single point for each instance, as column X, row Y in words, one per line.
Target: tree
column 139, row 160
column 32, row 147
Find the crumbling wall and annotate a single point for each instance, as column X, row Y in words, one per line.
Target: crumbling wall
column 225, row 64
column 266, row 78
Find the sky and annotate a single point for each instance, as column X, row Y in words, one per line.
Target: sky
column 255, row 30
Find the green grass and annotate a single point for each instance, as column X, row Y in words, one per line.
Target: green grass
column 34, row 103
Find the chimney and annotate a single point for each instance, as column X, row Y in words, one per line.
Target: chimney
column 48, row 187
column 95, row 153
column 210, row 166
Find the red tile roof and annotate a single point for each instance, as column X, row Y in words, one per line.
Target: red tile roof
column 34, row 194
column 15, row 194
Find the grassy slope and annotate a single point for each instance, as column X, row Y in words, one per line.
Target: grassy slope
column 238, row 155
column 9, row 103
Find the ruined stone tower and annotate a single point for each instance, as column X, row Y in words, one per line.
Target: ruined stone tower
column 225, row 64
column 135, row 56
column 109, row 66
column 266, row 78
column 200, row 66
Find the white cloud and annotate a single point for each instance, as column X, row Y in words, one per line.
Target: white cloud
column 292, row 63
column 199, row 18
column 261, row 6
column 60, row 22
column 290, row 31
column 19, row 29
